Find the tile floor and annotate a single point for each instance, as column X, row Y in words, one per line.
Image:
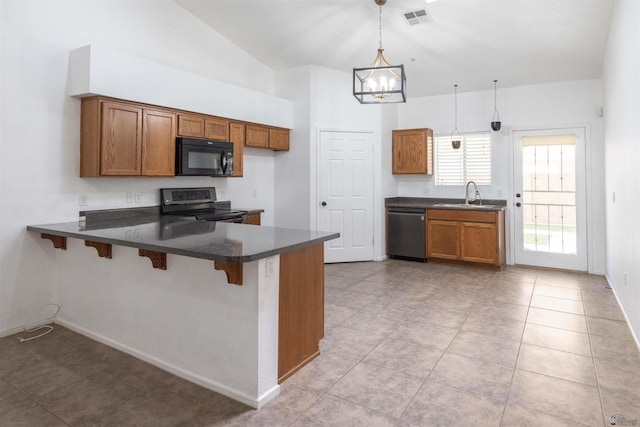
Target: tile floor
column 406, row 344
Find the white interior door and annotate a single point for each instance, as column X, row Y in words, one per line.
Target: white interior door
column 345, row 192
column 550, row 201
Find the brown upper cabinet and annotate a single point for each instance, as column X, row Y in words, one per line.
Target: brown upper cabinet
column 124, row 138
column 412, row 151
column 237, row 136
column 260, row 136
column 196, row 126
column 119, row 138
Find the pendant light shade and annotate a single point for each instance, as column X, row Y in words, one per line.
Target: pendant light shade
column 456, row 137
column 495, row 124
column 380, row 83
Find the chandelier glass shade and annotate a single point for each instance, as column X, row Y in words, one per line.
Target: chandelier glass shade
column 381, row 82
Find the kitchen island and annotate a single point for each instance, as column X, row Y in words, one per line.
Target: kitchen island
column 239, row 331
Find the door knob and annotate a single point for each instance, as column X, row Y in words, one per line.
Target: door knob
column 517, row 194
column 324, row 203
column 518, row 204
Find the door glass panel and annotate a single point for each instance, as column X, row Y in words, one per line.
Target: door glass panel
column 549, row 196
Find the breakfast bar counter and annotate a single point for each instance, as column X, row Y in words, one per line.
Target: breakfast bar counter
column 184, row 316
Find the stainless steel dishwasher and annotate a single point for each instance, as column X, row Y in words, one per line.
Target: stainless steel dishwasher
column 406, row 234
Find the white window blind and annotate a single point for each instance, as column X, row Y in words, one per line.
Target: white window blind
column 471, row 162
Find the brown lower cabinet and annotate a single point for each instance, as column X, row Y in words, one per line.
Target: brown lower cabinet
column 301, row 311
column 467, row 236
column 253, row 218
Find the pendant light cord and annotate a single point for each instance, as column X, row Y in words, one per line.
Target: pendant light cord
column 455, row 108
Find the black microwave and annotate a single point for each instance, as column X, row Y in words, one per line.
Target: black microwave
column 203, row 157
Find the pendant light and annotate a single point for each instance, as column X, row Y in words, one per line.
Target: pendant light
column 381, row 83
column 495, row 124
column 456, row 138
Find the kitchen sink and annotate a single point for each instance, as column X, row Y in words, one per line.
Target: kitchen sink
column 463, row 206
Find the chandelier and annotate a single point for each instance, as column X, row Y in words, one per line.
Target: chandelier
column 380, row 83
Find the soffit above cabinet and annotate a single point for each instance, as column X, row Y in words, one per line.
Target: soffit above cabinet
column 101, row 71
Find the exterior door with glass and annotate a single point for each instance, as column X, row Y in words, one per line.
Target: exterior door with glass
column 550, row 201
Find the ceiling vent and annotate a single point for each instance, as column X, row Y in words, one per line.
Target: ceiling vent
column 416, row 17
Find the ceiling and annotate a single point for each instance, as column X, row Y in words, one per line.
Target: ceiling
column 464, row 42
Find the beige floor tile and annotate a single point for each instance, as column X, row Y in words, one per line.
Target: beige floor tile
column 484, row 347
column 405, row 356
column 27, row 414
column 566, row 399
column 516, row 416
column 556, row 279
column 330, row 411
column 605, row 308
column 442, row 316
column 556, row 363
column 614, row 349
column 350, row 342
column 385, row 390
column 494, row 326
column 346, row 298
column 323, row 372
column 557, row 319
column 473, row 375
column 425, row 333
column 619, row 378
column 368, row 321
column 617, row 328
column 625, row 409
column 503, row 311
column 498, row 295
column 440, row 405
column 558, row 339
column 557, row 304
column 336, row 314
column 557, row 292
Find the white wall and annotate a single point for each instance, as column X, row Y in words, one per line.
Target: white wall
column 323, row 101
column 40, row 132
column 526, row 107
column 622, row 157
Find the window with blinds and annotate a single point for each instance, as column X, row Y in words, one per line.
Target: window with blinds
column 471, row 162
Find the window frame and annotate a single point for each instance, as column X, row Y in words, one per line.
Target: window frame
column 483, row 174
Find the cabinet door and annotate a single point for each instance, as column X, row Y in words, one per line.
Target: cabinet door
column 443, row 239
column 257, row 136
column 253, row 218
column 158, row 143
column 236, row 135
column 190, row 126
column 279, row 139
column 215, row 128
column 412, row 151
column 478, row 242
column 121, row 139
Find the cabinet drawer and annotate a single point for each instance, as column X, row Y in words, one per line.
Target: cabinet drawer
column 462, row 215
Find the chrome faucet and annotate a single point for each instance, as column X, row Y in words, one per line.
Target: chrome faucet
column 476, row 195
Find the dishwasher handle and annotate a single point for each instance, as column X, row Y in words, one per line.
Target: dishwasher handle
column 414, row 211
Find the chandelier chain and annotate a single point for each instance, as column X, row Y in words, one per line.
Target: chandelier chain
column 380, row 27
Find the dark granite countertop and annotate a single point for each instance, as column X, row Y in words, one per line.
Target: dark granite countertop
column 443, row 203
column 219, row 241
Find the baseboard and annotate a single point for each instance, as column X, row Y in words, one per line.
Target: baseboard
column 624, row 313
column 175, row 370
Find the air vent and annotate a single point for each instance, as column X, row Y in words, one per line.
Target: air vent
column 416, row 17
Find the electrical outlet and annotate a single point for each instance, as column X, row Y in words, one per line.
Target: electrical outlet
column 129, row 197
column 83, row 200
column 138, row 198
column 271, row 266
